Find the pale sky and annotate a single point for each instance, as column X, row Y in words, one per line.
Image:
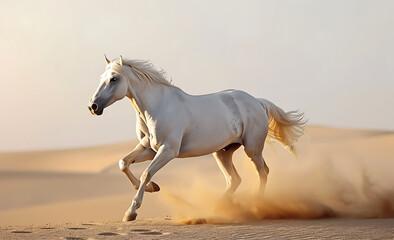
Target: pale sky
column 332, row 59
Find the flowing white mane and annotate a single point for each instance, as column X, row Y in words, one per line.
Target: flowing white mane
column 146, row 71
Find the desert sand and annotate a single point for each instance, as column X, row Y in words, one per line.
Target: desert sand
column 163, row 228
column 341, row 185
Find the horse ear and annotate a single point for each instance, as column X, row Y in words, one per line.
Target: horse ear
column 106, row 59
column 121, row 60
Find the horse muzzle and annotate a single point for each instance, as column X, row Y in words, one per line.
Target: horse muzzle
column 95, row 109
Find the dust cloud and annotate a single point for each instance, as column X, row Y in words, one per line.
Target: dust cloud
column 322, row 183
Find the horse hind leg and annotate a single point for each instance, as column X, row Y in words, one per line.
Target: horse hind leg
column 225, row 163
column 262, row 169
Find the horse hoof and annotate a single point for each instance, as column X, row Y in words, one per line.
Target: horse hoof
column 129, row 217
column 152, row 187
column 156, row 187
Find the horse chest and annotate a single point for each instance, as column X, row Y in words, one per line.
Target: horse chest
column 153, row 131
column 149, row 141
column 155, row 139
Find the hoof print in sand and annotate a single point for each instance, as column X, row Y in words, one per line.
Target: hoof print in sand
column 140, row 230
column 74, row 238
column 151, row 233
column 47, row 228
column 76, row 228
column 146, row 232
column 21, row 232
column 108, row 234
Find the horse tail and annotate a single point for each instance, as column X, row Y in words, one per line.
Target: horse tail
column 285, row 127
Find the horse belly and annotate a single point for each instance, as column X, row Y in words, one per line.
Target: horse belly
column 210, row 137
column 202, row 147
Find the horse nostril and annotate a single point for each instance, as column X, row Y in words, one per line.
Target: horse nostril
column 94, row 107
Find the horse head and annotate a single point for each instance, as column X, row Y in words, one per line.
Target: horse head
column 113, row 87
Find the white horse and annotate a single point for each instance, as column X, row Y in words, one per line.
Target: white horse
column 173, row 124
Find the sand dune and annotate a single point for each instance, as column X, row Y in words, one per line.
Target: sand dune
column 40, row 188
column 89, row 160
column 322, row 134
column 339, row 173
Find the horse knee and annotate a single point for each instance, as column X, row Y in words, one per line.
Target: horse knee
column 123, row 165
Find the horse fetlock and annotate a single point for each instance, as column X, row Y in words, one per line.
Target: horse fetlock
column 136, row 203
column 266, row 169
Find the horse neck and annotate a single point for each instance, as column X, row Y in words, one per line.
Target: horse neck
column 148, row 99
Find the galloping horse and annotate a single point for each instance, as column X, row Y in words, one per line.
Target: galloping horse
column 173, row 124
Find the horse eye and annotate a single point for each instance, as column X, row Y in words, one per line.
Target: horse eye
column 113, row 79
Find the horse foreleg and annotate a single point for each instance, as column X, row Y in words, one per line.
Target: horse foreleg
column 163, row 156
column 139, row 154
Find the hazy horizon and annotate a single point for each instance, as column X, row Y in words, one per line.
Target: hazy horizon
column 334, row 60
